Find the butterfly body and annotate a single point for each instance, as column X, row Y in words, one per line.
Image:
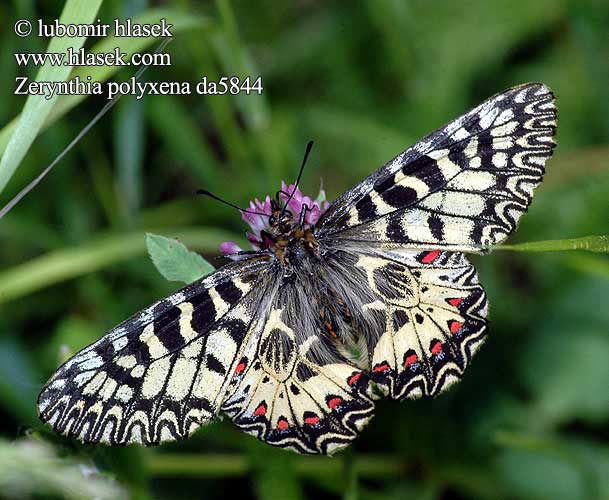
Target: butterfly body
column 336, row 306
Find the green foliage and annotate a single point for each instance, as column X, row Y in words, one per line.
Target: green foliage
column 530, row 419
column 174, row 261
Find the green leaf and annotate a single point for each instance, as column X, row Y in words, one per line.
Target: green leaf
column 589, row 243
column 174, row 261
column 38, row 107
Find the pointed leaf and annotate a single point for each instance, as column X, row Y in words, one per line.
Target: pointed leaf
column 174, row 261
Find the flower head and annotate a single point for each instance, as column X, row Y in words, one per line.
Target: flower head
column 315, row 208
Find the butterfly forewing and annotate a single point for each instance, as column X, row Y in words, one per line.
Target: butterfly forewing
column 161, row 374
column 463, row 187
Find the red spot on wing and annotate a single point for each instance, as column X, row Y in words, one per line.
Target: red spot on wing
column 429, row 257
column 282, row 424
column 455, row 326
column 334, row 402
column 261, row 410
column 455, row 302
column 312, row 420
column 436, row 348
column 240, row 368
column 411, row 360
column 354, row 378
column 381, row 368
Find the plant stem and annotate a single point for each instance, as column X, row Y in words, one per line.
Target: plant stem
column 589, row 243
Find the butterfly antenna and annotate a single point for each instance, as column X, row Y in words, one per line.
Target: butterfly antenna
column 304, row 162
column 9, row 206
column 205, row 192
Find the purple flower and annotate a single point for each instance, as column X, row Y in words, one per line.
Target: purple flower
column 229, row 247
column 314, row 209
column 258, row 223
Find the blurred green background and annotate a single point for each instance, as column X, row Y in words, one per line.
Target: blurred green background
column 364, row 80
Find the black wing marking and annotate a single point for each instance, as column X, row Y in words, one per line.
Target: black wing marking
column 163, row 373
column 464, row 186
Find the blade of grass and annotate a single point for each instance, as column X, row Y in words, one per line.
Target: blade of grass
column 96, row 254
column 181, row 21
column 102, row 179
column 38, row 107
column 220, row 107
column 235, row 59
column 129, row 147
column 589, row 243
column 234, row 56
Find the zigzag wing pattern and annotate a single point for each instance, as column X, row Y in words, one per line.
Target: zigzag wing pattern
column 287, row 399
column 163, row 373
column 435, row 313
column 463, row 187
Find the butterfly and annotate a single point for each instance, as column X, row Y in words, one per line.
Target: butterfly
column 336, row 306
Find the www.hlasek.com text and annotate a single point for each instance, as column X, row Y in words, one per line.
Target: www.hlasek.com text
column 76, row 86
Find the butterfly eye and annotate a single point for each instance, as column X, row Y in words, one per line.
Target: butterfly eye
column 272, row 220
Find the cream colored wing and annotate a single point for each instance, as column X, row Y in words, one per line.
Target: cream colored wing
column 163, row 373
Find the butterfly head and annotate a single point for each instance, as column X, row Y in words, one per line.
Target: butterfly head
column 281, row 221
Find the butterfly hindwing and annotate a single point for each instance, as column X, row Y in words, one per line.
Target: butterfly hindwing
column 463, row 187
column 290, row 395
column 163, row 373
column 435, row 312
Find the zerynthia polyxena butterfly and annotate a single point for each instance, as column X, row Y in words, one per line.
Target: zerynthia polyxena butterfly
column 337, row 304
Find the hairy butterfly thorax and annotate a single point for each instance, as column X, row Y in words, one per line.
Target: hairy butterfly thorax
column 336, row 305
